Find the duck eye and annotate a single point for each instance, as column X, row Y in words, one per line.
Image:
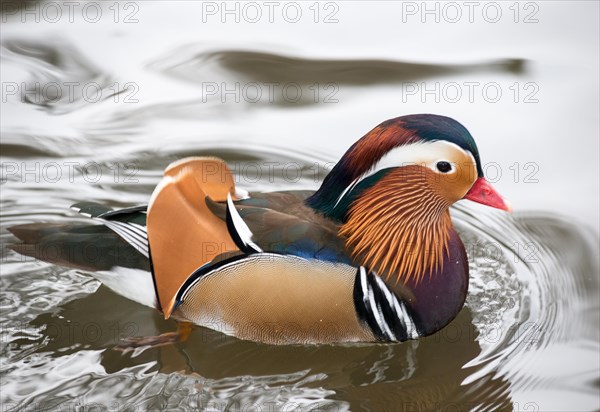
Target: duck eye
column 443, row 166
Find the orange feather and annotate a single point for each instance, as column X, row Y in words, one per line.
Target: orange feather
column 399, row 227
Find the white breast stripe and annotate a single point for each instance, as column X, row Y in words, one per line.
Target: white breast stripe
column 386, row 292
column 411, row 328
column 399, row 308
column 398, row 311
column 369, row 301
column 378, row 315
column 392, row 301
column 363, row 283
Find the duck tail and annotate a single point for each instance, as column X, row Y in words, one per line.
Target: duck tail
column 89, row 247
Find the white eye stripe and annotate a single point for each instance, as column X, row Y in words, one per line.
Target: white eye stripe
column 426, row 154
column 433, row 165
column 422, row 153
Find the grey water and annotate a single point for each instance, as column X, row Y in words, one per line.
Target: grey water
column 96, row 110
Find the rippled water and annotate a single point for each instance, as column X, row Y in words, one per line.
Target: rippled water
column 528, row 336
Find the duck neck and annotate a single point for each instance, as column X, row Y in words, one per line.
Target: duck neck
column 401, row 230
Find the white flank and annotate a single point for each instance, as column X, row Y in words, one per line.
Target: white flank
column 134, row 284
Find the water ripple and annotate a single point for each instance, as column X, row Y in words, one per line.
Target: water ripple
column 61, row 77
column 533, row 299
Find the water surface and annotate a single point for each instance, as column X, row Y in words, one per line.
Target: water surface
column 528, row 336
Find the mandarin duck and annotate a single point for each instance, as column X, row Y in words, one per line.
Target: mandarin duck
column 371, row 256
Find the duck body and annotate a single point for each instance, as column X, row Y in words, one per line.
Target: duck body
column 303, row 286
column 370, row 257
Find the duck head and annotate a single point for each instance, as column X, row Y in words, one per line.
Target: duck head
column 392, row 190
